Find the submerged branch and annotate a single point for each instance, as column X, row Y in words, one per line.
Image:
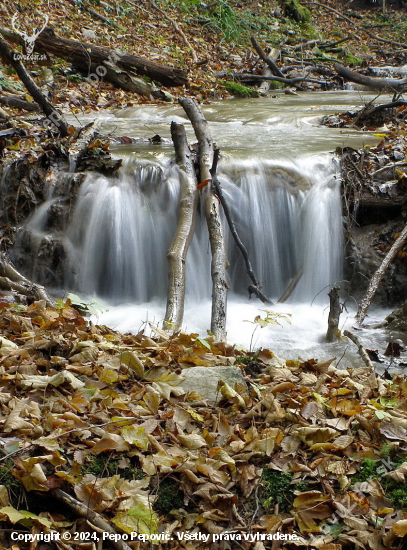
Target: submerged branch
column 362, row 352
column 291, row 286
column 254, row 288
column 378, row 276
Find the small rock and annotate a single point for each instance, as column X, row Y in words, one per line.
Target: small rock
column 397, row 155
column 204, row 381
column 88, row 33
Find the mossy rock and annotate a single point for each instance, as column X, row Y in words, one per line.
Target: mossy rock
column 294, row 10
column 353, row 60
column 238, row 90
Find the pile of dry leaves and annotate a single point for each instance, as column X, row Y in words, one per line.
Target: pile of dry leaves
column 301, row 448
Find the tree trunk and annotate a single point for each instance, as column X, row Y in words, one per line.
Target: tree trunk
column 218, row 267
column 9, row 58
column 212, row 212
column 378, row 276
column 334, row 313
column 186, row 224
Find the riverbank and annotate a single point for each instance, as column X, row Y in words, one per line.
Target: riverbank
column 296, row 448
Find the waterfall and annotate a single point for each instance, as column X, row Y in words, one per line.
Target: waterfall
column 287, row 213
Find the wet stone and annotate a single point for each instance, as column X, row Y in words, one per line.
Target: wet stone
column 204, row 381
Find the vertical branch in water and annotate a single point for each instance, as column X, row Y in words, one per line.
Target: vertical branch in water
column 334, row 313
column 212, row 212
column 186, row 224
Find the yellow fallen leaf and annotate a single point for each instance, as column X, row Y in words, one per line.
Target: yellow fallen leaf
column 400, row 528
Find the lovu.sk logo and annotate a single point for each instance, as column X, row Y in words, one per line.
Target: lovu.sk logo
column 29, row 40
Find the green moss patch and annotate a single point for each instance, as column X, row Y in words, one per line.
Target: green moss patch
column 277, row 489
column 240, row 91
column 170, row 497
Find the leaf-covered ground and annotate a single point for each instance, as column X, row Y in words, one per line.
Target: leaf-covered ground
column 218, row 33
column 303, row 448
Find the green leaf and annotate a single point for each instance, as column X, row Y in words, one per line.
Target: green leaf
column 11, row 514
column 204, row 343
column 382, row 414
column 389, row 402
column 139, row 518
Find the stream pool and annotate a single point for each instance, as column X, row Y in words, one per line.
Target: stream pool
column 282, row 132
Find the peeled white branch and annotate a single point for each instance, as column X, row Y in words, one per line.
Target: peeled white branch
column 212, row 211
column 362, row 352
column 186, row 224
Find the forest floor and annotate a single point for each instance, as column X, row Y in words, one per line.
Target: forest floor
column 98, row 438
column 219, row 34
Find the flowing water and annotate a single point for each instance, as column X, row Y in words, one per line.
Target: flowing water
column 281, row 181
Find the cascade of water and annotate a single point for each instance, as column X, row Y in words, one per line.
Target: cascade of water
column 121, row 231
column 122, row 228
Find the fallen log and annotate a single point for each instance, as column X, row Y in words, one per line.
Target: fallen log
column 177, row 253
column 15, row 102
column 119, row 78
column 212, row 212
column 10, row 58
column 84, row 55
column 392, row 84
column 378, row 276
